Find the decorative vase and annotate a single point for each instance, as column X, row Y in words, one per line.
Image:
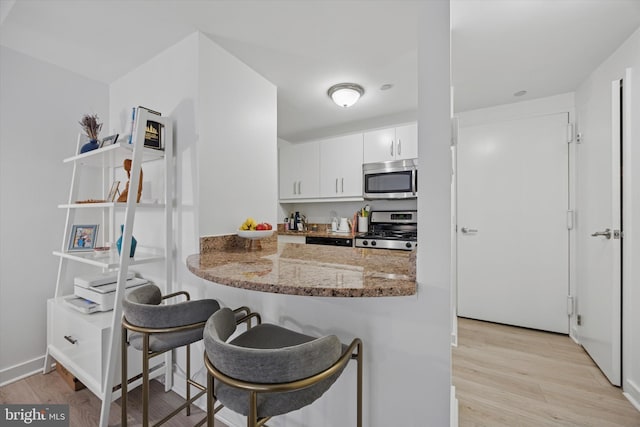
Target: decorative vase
column 133, row 243
column 89, row 146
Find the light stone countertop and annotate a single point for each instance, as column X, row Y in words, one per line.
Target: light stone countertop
column 297, row 269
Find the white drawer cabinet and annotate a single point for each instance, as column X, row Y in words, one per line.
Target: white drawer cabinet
column 80, row 342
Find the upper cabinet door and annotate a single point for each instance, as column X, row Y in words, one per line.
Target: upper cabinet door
column 309, row 170
column 379, row 145
column 341, row 166
column 407, row 142
column 299, row 171
column 391, row 144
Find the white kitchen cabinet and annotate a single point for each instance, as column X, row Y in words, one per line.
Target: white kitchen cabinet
column 299, row 169
column 87, row 344
column 397, row 143
column 341, row 166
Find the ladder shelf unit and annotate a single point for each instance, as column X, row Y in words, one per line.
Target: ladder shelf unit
column 88, row 345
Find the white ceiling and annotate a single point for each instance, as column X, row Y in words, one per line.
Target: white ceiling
column 498, row 47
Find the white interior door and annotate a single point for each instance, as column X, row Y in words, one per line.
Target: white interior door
column 513, row 241
column 598, row 224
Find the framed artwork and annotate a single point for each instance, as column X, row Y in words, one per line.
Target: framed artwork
column 113, row 191
column 83, row 238
column 109, row 140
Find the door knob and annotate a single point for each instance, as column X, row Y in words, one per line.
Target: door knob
column 466, row 230
column 606, row 233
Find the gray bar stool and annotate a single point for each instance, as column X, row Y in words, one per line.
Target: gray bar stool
column 156, row 328
column 270, row 370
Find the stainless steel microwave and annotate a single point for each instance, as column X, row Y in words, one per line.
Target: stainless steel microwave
column 391, row 180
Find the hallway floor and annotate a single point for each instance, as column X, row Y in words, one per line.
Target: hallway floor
column 509, row 376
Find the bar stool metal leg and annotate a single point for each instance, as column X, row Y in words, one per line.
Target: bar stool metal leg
column 359, row 390
column 252, row 419
column 188, row 379
column 124, row 377
column 145, row 380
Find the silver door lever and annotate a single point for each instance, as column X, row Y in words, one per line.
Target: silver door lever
column 606, row 233
column 466, row 230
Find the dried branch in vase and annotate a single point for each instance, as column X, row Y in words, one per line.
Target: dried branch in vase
column 90, row 125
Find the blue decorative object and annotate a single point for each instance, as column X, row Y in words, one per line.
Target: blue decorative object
column 133, row 243
column 89, row 146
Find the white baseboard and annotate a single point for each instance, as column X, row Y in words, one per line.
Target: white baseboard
column 632, row 395
column 22, row 370
column 454, row 408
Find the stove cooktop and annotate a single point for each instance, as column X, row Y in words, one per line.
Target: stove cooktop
column 390, row 230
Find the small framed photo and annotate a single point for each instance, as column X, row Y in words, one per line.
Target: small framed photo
column 113, row 191
column 83, row 238
column 109, row 140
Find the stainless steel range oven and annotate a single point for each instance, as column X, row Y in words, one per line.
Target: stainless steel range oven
column 390, row 230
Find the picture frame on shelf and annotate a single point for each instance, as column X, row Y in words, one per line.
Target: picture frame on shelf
column 82, row 238
column 113, row 191
column 109, row 140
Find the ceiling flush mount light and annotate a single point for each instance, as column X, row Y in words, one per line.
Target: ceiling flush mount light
column 345, row 94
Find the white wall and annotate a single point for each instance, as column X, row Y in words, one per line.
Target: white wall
column 40, row 106
column 595, row 88
column 237, row 151
column 434, row 215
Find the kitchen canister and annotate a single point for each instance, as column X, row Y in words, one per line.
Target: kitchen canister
column 363, row 224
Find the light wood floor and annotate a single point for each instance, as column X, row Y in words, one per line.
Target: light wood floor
column 504, row 377
column 84, row 406
column 508, row 376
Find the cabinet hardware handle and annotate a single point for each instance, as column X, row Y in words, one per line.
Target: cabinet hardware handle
column 294, row 187
column 391, row 148
column 336, row 185
column 342, row 185
column 70, row 339
column 399, row 147
column 299, row 187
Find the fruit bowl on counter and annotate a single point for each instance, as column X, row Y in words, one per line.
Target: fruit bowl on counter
column 255, row 234
column 253, row 231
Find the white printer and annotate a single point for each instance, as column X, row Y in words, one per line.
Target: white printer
column 98, row 292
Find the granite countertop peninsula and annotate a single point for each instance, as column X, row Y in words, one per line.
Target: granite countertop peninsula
column 298, row 269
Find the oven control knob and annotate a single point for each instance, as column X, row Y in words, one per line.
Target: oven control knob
column 373, row 243
column 365, row 242
column 408, row 244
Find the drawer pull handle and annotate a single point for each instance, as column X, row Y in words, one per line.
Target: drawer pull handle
column 70, row 339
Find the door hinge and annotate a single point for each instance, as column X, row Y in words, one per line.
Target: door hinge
column 570, row 219
column 579, row 319
column 569, row 305
column 570, row 132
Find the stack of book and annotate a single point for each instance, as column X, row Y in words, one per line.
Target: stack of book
column 152, row 132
